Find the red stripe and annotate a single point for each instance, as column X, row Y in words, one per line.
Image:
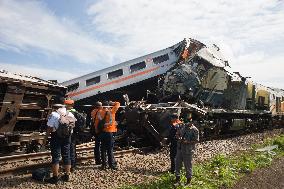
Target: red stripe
column 112, row 82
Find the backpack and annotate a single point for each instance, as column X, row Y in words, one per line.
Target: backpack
column 65, row 126
column 41, row 174
column 80, row 123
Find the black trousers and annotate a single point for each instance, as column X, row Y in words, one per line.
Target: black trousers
column 73, row 154
column 60, row 147
column 173, row 153
column 97, row 149
column 107, row 139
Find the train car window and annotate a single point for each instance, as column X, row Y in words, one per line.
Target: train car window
column 72, row 87
column 261, row 101
column 93, row 81
column 278, row 104
column 160, row 59
column 138, row 66
column 178, row 49
column 115, row 74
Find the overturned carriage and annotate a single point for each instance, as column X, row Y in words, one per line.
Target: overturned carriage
column 25, row 103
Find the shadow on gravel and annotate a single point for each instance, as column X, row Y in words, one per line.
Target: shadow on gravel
column 88, row 167
column 135, row 170
column 147, row 172
column 15, row 181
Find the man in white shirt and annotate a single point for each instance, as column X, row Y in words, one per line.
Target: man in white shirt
column 59, row 146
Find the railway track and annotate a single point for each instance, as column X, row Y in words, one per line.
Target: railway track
column 24, row 163
column 137, row 167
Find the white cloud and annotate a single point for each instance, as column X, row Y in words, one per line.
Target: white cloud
column 159, row 20
column 267, row 70
column 28, row 26
column 244, row 30
column 32, row 70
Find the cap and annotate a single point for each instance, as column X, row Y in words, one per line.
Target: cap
column 98, row 104
column 105, row 103
column 69, row 102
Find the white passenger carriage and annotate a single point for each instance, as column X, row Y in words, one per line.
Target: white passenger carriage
column 123, row 74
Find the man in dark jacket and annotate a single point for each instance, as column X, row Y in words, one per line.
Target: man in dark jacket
column 174, row 123
column 187, row 136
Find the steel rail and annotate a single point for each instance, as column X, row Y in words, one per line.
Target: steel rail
column 22, row 157
column 28, row 167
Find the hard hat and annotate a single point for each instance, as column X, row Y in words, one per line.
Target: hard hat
column 69, row 102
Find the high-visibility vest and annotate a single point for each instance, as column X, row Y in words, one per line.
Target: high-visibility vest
column 176, row 122
column 111, row 125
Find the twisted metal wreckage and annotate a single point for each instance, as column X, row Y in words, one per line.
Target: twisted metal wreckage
column 187, row 77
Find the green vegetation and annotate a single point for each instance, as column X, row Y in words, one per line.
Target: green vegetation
column 222, row 171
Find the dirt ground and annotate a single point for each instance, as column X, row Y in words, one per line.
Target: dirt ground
column 265, row 178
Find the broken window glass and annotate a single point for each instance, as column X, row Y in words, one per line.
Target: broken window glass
column 73, row 87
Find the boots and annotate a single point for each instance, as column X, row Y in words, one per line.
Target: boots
column 53, row 180
column 177, row 181
column 188, row 180
column 103, row 167
column 65, row 178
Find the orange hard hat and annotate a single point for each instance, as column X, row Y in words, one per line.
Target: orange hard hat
column 69, row 102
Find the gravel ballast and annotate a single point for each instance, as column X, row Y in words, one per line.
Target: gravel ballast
column 137, row 168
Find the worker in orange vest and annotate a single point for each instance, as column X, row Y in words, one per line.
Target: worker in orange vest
column 95, row 115
column 107, row 134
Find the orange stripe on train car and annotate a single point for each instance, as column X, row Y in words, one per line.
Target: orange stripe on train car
column 112, row 82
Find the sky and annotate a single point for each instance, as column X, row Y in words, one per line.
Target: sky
column 64, row 39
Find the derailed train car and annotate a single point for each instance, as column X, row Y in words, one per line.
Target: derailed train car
column 261, row 111
column 190, row 72
column 230, row 101
column 25, row 102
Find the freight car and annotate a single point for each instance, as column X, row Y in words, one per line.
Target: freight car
column 25, row 102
